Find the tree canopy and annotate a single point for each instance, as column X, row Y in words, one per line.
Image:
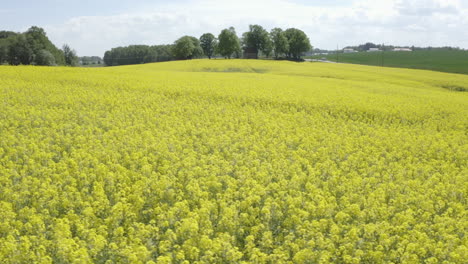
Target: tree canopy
column 45, row 58
column 34, row 47
column 30, row 47
column 298, row 42
column 280, row 42
column 38, row 40
column 137, row 54
column 187, row 47
column 70, row 56
column 6, row 37
column 228, row 43
column 291, row 43
column 19, row 51
column 256, row 39
column 208, row 43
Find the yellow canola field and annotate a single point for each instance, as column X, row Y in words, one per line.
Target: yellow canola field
column 233, row 161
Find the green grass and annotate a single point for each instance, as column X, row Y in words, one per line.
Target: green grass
column 453, row 61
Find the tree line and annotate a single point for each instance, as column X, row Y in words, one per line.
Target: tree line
column 33, row 47
column 90, row 60
column 281, row 44
column 136, row 54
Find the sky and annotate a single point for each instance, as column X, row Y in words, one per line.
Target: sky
column 93, row 26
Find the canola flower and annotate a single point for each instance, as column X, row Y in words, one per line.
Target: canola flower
column 232, row 161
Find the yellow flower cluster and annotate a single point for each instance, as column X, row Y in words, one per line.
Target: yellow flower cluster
column 232, row 161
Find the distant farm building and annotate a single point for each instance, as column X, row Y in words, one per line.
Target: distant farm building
column 402, row 49
column 349, row 50
column 373, row 50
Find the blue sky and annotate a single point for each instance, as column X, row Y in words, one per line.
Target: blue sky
column 93, row 26
column 23, row 13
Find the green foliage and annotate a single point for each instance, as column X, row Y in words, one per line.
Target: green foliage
column 5, row 39
column 280, row 42
column 187, row 47
column 256, row 39
column 70, row 56
column 45, row 58
column 292, row 43
column 298, row 42
column 24, row 48
column 4, row 47
column 137, row 54
column 208, row 43
column 38, row 40
column 20, row 51
column 7, row 34
column 162, row 53
column 174, row 163
column 228, row 43
column 90, row 60
column 268, row 47
column 368, row 46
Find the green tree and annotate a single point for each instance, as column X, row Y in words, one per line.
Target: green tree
column 5, row 39
column 6, row 34
column 163, row 52
column 228, row 43
column 108, row 60
column 208, row 44
column 3, row 50
column 45, row 58
column 38, row 40
column 298, row 42
column 20, row 51
column 24, row 48
column 280, row 42
column 268, row 48
column 70, row 56
column 256, row 39
column 187, row 47
column 137, row 54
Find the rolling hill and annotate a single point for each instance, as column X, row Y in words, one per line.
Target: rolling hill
column 452, row 61
column 232, row 161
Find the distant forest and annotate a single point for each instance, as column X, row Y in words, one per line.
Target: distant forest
column 289, row 44
column 136, row 54
column 33, row 47
column 90, row 60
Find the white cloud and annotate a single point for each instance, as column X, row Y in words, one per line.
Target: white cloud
column 428, row 7
column 400, row 22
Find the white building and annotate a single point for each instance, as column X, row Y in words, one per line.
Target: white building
column 402, row 49
column 373, row 50
column 349, row 50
